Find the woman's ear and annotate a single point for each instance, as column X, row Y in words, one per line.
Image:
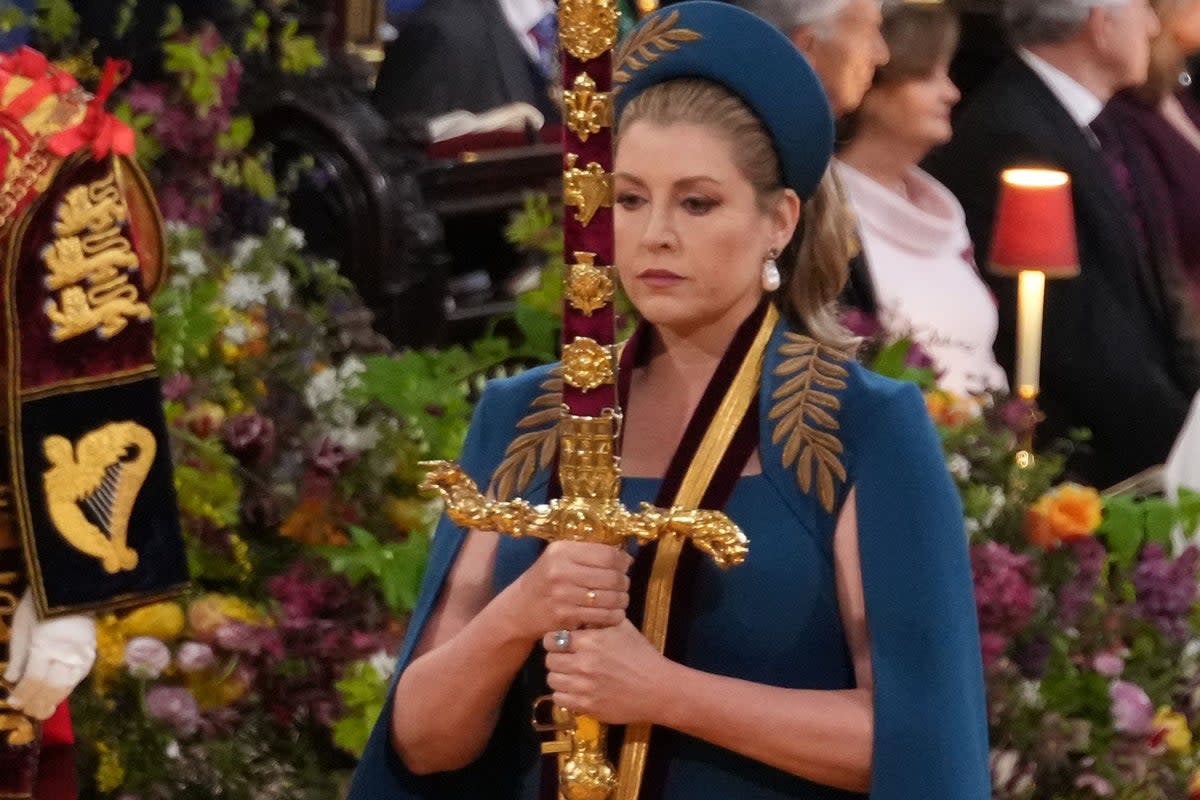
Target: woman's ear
column 785, row 216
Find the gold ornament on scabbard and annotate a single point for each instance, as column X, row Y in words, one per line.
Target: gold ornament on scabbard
column 587, row 364
column 589, row 287
column 588, row 189
column 588, row 28
column 588, row 111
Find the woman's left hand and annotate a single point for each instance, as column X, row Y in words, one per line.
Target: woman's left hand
column 612, row 674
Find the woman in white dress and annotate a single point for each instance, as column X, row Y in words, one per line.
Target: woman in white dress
column 914, row 234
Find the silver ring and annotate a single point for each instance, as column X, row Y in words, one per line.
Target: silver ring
column 562, row 639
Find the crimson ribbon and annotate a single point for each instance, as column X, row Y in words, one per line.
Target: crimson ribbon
column 100, row 130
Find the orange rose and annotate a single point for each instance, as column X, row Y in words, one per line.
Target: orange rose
column 951, row 410
column 1067, row 512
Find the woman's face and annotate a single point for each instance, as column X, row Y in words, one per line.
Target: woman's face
column 1183, row 24
column 691, row 237
column 916, row 111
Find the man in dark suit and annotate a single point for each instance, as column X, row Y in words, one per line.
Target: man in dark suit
column 1113, row 359
column 472, row 55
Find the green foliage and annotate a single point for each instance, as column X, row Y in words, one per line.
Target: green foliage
column 362, row 691
column 12, row 18
column 892, row 362
column 124, row 18
column 256, row 38
column 298, row 54
column 56, row 20
column 198, row 73
column 173, row 23
column 396, row 567
column 185, row 324
column 1130, row 522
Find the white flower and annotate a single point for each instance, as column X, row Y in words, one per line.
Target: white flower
column 294, row 237
column 322, row 389
column 243, row 249
column 236, row 333
column 191, row 263
column 959, row 466
column 280, row 285
column 350, row 369
column 243, row 291
column 383, row 663
column 173, row 750
column 995, row 505
column 1031, row 695
column 971, row 525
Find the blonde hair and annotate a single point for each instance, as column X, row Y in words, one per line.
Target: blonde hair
column 814, row 266
column 1167, row 60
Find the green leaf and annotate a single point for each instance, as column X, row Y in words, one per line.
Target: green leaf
column 1122, row 528
column 395, row 567
column 173, row 24
column 124, row 18
column 889, row 362
column 255, row 38
column 12, row 18
column 56, row 20
column 298, row 54
column 1161, row 518
column 237, row 136
column 539, row 330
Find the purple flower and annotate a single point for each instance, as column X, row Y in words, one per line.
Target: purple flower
column 1019, row 415
column 330, row 457
column 176, row 386
column 1098, row 786
column 250, row 640
column 1076, row 595
column 250, row 437
column 860, row 323
column 1110, row 665
column 1004, row 594
column 1166, row 589
column 175, row 706
column 146, row 657
column 194, row 657
column 918, row 357
column 1132, row 710
column 261, row 511
column 146, row 98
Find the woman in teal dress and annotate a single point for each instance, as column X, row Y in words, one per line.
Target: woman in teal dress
column 841, row 660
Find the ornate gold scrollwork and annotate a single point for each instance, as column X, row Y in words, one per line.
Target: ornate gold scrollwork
column 588, row 111
column 587, row 364
column 588, row 28
column 589, row 287
column 102, row 473
column 587, row 189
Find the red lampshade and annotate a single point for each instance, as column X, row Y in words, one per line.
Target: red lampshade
column 1035, row 225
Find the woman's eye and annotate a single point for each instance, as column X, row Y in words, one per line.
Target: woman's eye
column 699, row 205
column 629, row 201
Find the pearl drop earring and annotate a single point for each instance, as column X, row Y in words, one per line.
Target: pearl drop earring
column 770, row 273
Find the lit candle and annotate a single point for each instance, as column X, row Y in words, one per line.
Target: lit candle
column 1031, row 292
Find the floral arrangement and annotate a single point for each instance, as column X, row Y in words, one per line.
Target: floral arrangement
column 1088, row 609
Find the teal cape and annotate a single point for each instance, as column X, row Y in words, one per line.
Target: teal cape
column 930, row 713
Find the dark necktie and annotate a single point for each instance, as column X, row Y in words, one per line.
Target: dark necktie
column 1118, row 159
column 545, row 34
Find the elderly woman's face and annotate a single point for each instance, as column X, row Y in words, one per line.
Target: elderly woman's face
column 691, row 237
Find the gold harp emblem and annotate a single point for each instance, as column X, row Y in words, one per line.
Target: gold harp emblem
column 92, row 485
column 588, row 28
column 586, row 189
column 589, row 287
column 588, row 111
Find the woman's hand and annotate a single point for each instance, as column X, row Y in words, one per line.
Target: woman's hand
column 571, row 585
column 613, row 674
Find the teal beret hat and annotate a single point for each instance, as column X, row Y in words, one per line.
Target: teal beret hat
column 745, row 54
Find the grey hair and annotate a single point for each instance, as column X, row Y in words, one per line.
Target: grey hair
column 787, row 15
column 1034, row 22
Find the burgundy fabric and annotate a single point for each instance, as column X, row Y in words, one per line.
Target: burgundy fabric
column 57, row 777
column 490, row 140
column 595, row 237
column 18, row 768
column 1173, row 175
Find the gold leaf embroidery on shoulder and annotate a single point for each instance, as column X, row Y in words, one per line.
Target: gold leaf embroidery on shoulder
column 534, row 449
column 656, row 37
column 806, row 408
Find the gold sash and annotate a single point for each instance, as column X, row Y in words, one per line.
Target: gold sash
column 742, row 392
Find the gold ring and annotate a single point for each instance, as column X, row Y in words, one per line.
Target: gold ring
column 591, row 597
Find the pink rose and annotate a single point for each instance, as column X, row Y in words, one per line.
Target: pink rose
column 1132, row 710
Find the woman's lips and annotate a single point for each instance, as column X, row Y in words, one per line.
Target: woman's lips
column 659, row 278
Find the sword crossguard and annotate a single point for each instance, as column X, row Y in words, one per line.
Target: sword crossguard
column 583, row 519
